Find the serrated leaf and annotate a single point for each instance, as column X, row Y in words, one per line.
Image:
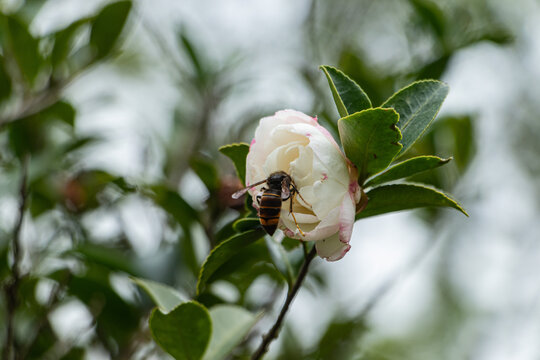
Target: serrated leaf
column 25, row 49
column 237, row 153
column 407, row 168
column 370, row 139
column 417, row 105
column 230, row 325
column 107, row 27
column 164, row 296
column 348, row 95
column 184, row 332
column 390, row 198
column 223, row 252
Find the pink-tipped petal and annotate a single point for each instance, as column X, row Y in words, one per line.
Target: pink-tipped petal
column 331, row 249
column 346, row 218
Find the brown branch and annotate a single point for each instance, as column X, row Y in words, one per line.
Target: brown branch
column 11, row 288
column 273, row 333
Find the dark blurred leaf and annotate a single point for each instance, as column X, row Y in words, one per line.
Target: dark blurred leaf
column 164, row 296
column 407, row 168
column 370, row 140
column 174, row 204
column 389, row 198
column 30, row 8
column 237, row 153
column 223, row 252
column 431, row 15
column 112, row 258
column 417, row 105
column 27, row 136
column 115, row 318
column 193, row 55
column 184, row 332
column 63, row 41
column 434, row 69
column 230, row 324
column 207, row 172
column 62, row 111
column 107, row 27
column 225, row 232
column 44, row 341
column 5, row 81
column 348, row 95
column 75, row 353
column 25, row 49
column 338, row 341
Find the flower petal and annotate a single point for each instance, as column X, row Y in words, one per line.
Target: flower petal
column 331, row 249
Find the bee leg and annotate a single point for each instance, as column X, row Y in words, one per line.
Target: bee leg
column 295, row 190
column 294, row 217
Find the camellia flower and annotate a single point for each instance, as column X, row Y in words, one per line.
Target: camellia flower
column 295, row 143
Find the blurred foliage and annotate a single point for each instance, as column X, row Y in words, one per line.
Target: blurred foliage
column 67, row 261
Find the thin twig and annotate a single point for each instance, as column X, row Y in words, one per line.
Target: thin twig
column 12, row 287
column 272, row 334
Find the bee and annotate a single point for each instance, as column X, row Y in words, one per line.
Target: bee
column 281, row 188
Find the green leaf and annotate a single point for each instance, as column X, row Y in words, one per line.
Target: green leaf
column 370, row 139
column 5, row 81
column 407, row 168
column 206, row 171
column 25, row 49
column 223, row 252
column 348, row 95
column 184, row 332
column 389, row 198
column 108, row 26
column 230, row 325
column 62, row 111
column 417, row 105
column 63, row 41
column 164, row 296
column 174, row 204
column 245, row 224
column 237, row 153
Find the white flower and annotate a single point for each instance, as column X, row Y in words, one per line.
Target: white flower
column 293, row 142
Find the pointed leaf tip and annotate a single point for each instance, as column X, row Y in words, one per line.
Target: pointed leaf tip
column 417, row 105
column 348, row 95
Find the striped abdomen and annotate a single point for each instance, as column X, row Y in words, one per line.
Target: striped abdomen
column 269, row 210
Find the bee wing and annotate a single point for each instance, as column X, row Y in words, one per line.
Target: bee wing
column 241, row 192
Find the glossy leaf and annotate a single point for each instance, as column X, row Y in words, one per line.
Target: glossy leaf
column 407, row 168
column 390, row 198
column 164, row 296
column 348, row 95
column 223, row 252
column 237, row 153
column 25, row 49
column 417, row 105
column 245, row 224
column 230, row 325
column 370, row 139
column 184, row 332
column 108, row 26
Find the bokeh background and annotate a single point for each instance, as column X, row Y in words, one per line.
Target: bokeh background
column 124, row 178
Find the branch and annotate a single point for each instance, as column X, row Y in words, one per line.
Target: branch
column 272, row 334
column 12, row 287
